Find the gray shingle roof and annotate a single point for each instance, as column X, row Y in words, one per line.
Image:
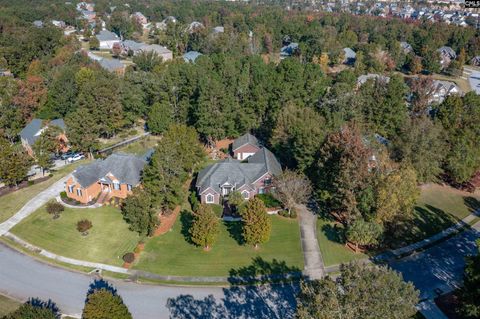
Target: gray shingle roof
column 106, row 35
column 244, row 140
column 448, row 51
column 349, row 53
column 32, row 131
column 191, row 56
column 236, row 173
column 126, row 168
column 111, row 65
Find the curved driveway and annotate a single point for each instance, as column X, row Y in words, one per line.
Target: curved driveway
column 22, row 277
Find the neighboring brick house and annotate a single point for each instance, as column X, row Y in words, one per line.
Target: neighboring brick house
column 245, row 146
column 34, row 129
column 249, row 178
column 114, row 176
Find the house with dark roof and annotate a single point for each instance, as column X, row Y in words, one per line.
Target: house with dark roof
column 245, row 146
column 447, row 54
column 30, row 133
column 115, row 176
column 250, row 178
column 191, row 56
column 289, row 50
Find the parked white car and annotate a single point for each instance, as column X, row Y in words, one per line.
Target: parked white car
column 75, row 158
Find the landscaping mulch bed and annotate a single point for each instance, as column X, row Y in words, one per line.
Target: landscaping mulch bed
column 450, row 304
column 167, row 221
column 7, row 190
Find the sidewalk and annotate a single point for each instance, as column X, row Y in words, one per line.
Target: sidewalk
column 428, row 241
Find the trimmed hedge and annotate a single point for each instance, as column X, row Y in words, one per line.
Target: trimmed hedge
column 269, row 200
column 284, row 213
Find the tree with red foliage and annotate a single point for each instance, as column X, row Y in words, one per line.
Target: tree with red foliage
column 31, row 94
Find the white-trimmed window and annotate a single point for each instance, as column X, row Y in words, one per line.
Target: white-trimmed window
column 79, row 192
column 70, row 188
column 209, row 199
column 246, row 194
column 267, row 181
column 116, row 186
column 261, row 190
column 129, row 187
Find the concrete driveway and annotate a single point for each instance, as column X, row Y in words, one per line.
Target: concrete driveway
column 23, row 277
column 440, row 266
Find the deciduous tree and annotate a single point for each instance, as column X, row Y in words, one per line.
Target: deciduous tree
column 104, row 304
column 364, row 233
column 14, row 163
column 362, row 292
column 138, row 213
column 291, row 189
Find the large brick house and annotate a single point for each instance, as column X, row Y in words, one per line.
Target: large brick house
column 34, row 129
column 245, row 146
column 250, row 177
column 114, row 176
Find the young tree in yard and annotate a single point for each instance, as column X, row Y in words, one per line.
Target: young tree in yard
column 342, row 172
column 54, row 208
column 138, row 213
column 291, row 189
column 361, row 292
column 204, row 230
column 14, row 163
column 363, row 233
column 105, row 304
column 470, row 293
column 257, row 226
column 45, row 146
column 160, row 117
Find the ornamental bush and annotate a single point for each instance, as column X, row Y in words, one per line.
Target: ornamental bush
column 129, row 258
column 84, row 225
column 54, row 208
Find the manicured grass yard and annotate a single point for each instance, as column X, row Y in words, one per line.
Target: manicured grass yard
column 332, row 245
column 108, row 240
column 141, row 146
column 11, row 203
column 171, row 254
column 439, row 207
column 7, row 305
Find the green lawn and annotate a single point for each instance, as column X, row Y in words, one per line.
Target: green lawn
column 439, row 207
column 171, row 254
column 140, row 147
column 108, row 240
column 332, row 245
column 11, row 203
column 7, row 305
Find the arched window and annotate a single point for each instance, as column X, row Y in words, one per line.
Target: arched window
column 210, row 199
column 245, row 194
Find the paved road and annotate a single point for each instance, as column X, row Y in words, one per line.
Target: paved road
column 440, row 266
column 474, row 80
column 23, row 277
column 314, row 266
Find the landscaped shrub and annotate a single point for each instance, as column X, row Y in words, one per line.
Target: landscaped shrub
column 30, row 183
column 137, row 250
column 54, row 208
column 269, row 200
column 83, row 226
column 284, row 213
column 50, row 175
column 132, row 132
column 129, row 258
column 63, row 195
column 217, row 209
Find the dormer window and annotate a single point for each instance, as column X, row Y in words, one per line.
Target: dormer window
column 246, row 194
column 209, row 199
column 116, row 185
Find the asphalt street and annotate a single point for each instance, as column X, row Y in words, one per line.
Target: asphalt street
column 440, row 266
column 22, row 277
